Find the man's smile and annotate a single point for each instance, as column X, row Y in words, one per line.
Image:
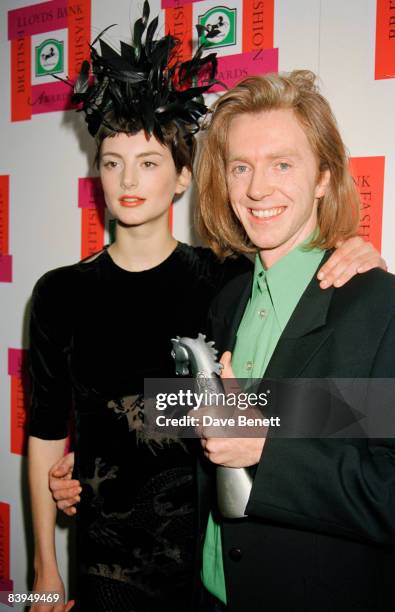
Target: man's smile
column 266, row 213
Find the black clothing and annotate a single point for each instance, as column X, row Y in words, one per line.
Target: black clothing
column 320, row 531
column 97, row 331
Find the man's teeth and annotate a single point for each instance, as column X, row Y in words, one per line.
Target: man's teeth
column 263, row 214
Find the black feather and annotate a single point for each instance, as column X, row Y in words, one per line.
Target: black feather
column 99, row 36
column 82, row 82
column 144, row 84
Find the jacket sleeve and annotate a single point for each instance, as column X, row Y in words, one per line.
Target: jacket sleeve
column 343, row 487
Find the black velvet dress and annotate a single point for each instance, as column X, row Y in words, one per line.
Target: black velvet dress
column 96, row 332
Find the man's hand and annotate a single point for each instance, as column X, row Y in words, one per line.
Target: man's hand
column 353, row 256
column 65, row 491
column 231, row 452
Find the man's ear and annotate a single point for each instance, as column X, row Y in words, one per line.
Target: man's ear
column 183, row 180
column 323, row 182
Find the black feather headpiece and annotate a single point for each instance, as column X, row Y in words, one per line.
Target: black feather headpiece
column 144, row 83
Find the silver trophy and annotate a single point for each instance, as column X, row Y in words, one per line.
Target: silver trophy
column 198, row 358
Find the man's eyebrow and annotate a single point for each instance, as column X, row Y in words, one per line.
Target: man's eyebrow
column 274, row 155
column 284, row 153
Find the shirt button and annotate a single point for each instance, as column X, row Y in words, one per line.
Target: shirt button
column 262, row 313
column 249, row 365
column 235, row 554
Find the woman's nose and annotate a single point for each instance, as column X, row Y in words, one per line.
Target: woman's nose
column 129, row 178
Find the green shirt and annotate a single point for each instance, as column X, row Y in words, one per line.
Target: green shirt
column 274, row 296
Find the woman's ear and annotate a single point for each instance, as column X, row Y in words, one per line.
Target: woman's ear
column 183, row 180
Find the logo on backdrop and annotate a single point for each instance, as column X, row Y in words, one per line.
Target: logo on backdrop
column 220, row 24
column 49, row 57
column 178, row 22
column 385, row 40
column 5, row 257
column 6, row 584
column 233, row 68
column 258, row 24
column 47, row 39
column 20, row 393
column 368, row 175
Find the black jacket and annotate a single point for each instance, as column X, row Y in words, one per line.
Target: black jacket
column 320, row 532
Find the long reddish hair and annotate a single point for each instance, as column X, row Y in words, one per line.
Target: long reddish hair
column 338, row 209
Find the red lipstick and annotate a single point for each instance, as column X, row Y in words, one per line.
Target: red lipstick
column 131, row 201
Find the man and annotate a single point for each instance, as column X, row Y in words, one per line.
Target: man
column 320, row 527
column 268, row 157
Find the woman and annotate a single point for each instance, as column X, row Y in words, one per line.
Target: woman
column 99, row 327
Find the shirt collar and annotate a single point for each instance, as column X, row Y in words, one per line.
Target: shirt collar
column 287, row 279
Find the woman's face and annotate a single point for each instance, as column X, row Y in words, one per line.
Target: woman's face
column 139, row 178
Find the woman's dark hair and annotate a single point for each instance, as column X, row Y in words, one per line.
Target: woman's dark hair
column 179, row 140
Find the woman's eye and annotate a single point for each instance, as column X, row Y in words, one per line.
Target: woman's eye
column 284, row 166
column 110, row 164
column 149, row 164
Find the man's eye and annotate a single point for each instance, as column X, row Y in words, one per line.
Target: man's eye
column 240, row 169
column 149, row 164
column 284, row 166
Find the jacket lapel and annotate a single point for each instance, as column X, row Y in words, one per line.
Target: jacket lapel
column 237, row 307
column 304, row 334
column 241, row 304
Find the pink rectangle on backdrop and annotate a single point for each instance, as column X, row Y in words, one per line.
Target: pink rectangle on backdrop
column 5, row 268
column 15, row 360
column 175, row 3
column 37, row 18
column 50, row 97
column 6, row 589
column 234, row 68
column 90, row 193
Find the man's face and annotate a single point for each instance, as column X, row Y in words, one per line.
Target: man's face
column 273, row 181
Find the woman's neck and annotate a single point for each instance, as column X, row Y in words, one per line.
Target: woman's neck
column 136, row 249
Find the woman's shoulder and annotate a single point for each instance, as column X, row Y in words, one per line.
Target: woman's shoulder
column 65, row 279
column 204, row 262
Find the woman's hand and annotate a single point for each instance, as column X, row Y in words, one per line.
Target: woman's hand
column 353, row 256
column 49, row 581
column 65, row 491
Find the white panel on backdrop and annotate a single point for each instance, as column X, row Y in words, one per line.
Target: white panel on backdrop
column 297, row 33
column 46, row 155
column 388, row 241
column 123, row 14
column 362, row 105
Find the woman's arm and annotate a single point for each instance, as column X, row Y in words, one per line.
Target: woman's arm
column 42, row 454
column 351, row 257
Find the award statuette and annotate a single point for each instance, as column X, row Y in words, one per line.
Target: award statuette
column 198, row 358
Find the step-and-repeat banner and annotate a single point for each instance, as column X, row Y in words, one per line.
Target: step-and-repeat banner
column 52, row 209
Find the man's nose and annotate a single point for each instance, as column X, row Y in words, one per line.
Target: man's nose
column 260, row 185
